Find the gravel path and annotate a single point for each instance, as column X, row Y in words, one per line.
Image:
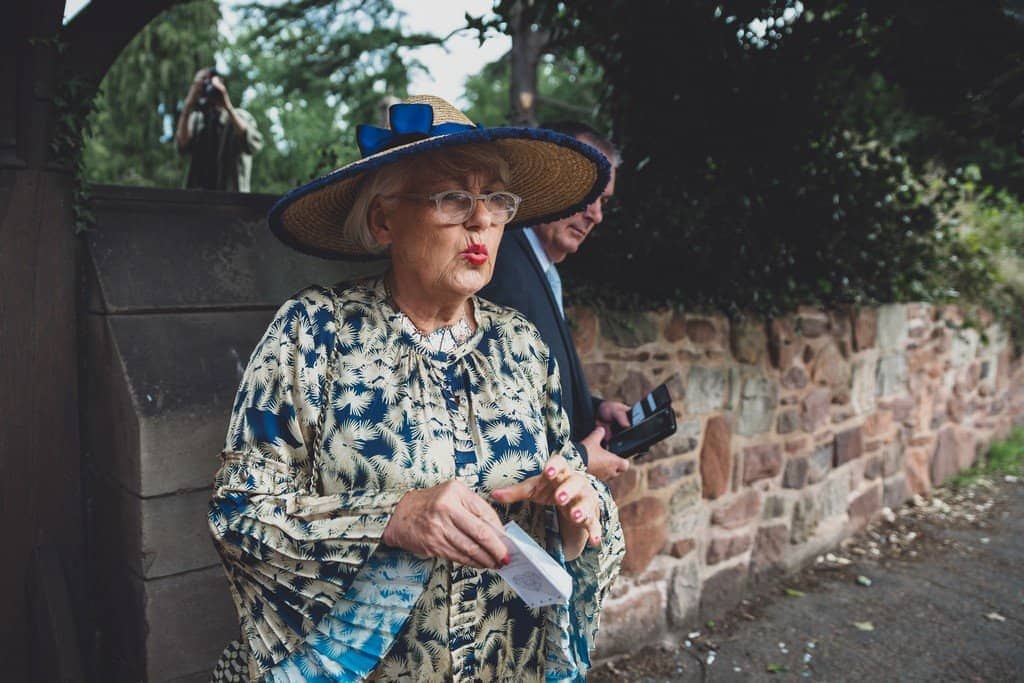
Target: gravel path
column 936, row 592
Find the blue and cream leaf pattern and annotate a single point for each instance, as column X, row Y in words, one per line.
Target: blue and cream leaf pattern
column 319, row 597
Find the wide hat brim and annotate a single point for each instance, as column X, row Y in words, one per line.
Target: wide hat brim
column 555, row 174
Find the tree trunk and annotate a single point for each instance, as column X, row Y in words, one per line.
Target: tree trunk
column 528, row 44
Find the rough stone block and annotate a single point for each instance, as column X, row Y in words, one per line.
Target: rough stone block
column 684, row 594
column 748, row 340
column 639, row 616
column 816, row 409
column 795, row 474
column 789, row 421
column 806, row 516
column 863, row 388
column 758, row 399
column 738, row 511
column 583, row 324
column 812, row 326
column 891, row 375
column 964, row 348
column 795, row 378
column 797, row 445
column 722, row 548
column 716, row 458
column 769, row 547
column 154, row 537
column 774, row 507
column 166, row 249
column 675, row 328
column 865, row 321
column 181, row 372
column 634, row 387
column 701, row 331
column 597, row 374
column 954, row 451
column 167, row 628
column 864, row 506
column 892, row 459
column 819, row 464
column 628, row 329
column 783, row 345
column 705, row 389
column 686, row 438
column 722, row 591
column 832, row 497
column 891, row 326
column 624, row 484
column 665, row 473
column 849, row 445
column 644, row 527
column 832, row 370
column 873, row 468
column 761, row 462
column 895, row 491
column 682, row 548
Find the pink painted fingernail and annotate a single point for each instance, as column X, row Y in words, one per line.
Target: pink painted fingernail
column 550, row 471
column 562, row 497
column 577, row 515
column 506, row 561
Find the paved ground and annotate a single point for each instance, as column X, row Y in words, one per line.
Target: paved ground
column 945, row 603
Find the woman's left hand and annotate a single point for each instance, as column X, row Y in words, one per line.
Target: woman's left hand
column 572, row 494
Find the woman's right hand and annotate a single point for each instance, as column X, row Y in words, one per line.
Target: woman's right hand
column 449, row 521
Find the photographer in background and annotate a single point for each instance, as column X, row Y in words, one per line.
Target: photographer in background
column 219, row 137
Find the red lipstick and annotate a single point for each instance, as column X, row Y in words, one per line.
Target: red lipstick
column 475, row 254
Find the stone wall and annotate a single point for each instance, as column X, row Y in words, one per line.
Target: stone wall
column 792, row 434
column 180, row 286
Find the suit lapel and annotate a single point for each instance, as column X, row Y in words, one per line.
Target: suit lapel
column 573, row 375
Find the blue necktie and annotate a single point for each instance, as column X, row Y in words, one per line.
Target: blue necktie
column 556, row 286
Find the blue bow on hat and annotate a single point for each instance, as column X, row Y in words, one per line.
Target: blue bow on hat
column 408, row 123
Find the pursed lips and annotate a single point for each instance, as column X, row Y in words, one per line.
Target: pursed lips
column 475, row 254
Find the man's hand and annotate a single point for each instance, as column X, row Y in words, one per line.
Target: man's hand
column 221, row 97
column 195, row 91
column 612, row 413
column 602, row 463
column 451, row 522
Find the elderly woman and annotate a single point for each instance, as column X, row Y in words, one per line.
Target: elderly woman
column 387, row 429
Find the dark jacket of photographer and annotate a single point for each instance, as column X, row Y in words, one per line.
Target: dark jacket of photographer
column 221, row 157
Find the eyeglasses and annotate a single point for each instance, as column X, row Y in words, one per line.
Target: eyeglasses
column 456, row 206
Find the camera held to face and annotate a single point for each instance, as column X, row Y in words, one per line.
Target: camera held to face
column 210, row 93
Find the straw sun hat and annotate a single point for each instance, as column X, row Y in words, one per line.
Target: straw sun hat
column 555, row 174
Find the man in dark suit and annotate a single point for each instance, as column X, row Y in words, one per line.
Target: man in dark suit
column 525, row 278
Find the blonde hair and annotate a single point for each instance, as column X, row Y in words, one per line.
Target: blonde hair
column 457, row 162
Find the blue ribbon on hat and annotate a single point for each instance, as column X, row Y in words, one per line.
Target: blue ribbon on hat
column 408, row 123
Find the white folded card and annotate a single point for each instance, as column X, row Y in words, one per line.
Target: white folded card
column 533, row 574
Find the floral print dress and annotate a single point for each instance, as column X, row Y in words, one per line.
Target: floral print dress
column 319, row 597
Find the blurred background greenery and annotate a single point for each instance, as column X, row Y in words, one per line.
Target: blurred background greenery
column 775, row 153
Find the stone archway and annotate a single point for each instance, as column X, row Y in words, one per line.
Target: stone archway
column 40, row 494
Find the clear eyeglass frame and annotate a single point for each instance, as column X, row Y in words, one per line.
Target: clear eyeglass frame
column 458, row 205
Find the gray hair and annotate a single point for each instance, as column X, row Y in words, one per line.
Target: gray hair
column 398, row 177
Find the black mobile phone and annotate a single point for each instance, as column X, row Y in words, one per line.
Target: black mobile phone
column 644, row 434
column 655, row 400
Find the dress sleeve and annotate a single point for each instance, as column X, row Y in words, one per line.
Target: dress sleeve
column 572, row 629
column 290, row 554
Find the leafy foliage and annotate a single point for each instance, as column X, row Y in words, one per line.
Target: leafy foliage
column 777, row 155
column 569, row 87
column 303, row 68
column 310, row 67
column 131, row 128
